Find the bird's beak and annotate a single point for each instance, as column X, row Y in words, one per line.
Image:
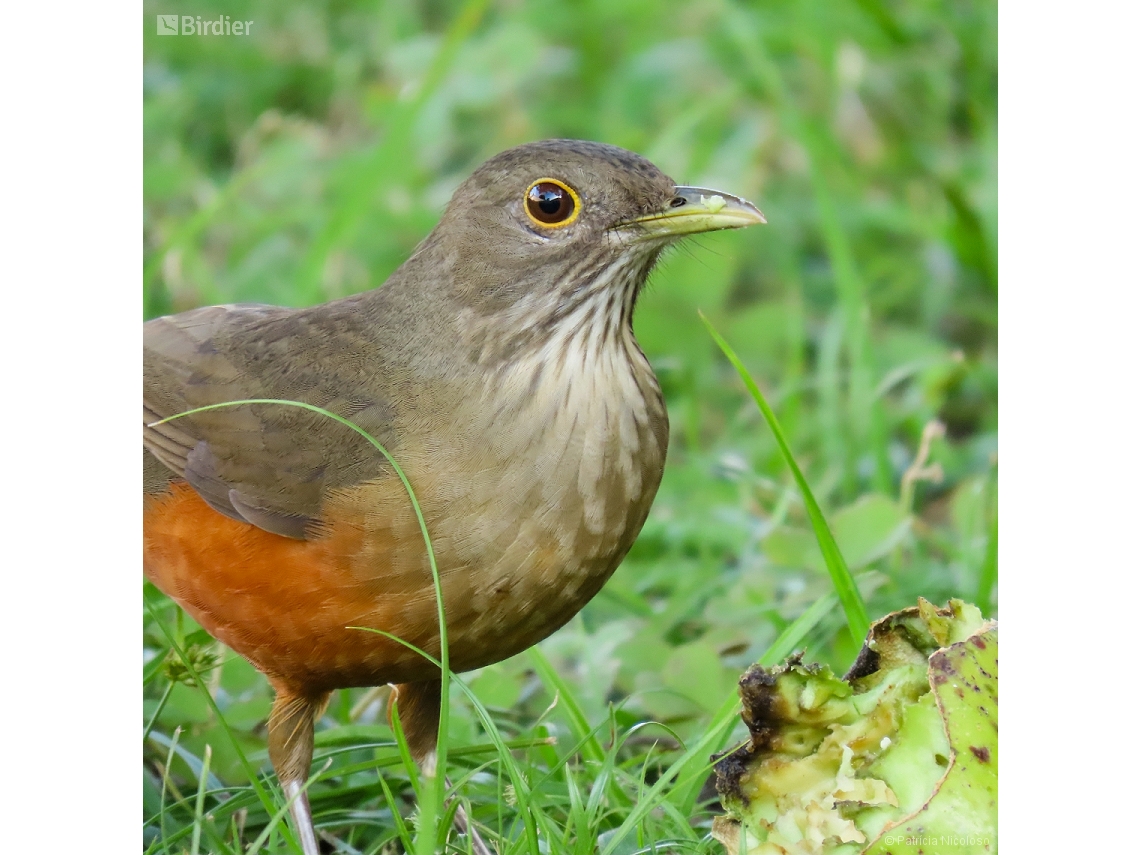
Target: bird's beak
column 693, row 210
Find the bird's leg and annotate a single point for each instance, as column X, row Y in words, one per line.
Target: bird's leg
column 291, row 752
column 418, row 707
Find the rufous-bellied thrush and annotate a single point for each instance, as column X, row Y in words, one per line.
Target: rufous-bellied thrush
column 498, row 366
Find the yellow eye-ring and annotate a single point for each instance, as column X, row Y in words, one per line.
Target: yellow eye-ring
column 551, row 204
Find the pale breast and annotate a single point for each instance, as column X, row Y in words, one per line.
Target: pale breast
column 544, row 484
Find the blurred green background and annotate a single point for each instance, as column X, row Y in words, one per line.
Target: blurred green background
column 305, row 162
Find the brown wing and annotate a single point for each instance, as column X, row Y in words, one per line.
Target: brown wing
column 269, row 465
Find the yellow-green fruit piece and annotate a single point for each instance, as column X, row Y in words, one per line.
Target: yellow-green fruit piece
column 961, row 814
column 898, row 758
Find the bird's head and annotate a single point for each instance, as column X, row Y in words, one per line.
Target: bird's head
column 554, row 240
column 548, row 221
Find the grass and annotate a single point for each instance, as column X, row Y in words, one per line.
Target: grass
column 841, row 579
column 305, row 162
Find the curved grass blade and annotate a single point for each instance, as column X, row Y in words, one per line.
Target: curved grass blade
column 429, row 808
column 841, row 578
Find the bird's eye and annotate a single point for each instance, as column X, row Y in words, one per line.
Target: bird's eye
column 551, row 204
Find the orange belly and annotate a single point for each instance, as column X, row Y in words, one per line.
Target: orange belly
column 287, row 605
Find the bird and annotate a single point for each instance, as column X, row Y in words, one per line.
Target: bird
column 499, row 369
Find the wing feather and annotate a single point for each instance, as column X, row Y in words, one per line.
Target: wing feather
column 270, row 465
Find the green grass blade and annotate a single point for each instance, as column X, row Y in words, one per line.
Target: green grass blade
column 692, row 763
column 987, row 578
column 692, row 775
column 841, row 578
column 401, row 826
column 200, row 802
column 170, row 753
column 404, row 752
column 158, row 710
column 579, row 725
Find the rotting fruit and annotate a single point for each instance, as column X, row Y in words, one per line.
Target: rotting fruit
column 900, row 756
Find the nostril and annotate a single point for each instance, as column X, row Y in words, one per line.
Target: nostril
column 677, row 202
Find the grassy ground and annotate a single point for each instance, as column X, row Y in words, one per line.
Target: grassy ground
column 306, row 161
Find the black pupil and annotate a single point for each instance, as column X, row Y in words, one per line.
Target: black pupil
column 549, row 203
